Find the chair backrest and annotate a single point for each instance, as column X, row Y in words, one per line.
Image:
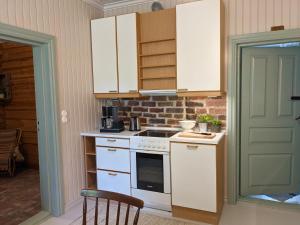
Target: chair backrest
column 8, row 136
column 5, row 151
column 111, row 196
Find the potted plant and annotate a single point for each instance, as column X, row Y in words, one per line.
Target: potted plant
column 203, row 121
column 216, row 125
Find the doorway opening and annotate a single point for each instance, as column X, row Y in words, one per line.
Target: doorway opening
column 19, row 170
column 270, row 149
column 49, row 156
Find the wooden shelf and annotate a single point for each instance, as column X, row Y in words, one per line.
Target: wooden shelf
column 154, row 41
column 157, row 50
column 158, row 54
column 89, row 145
column 159, row 77
column 157, row 66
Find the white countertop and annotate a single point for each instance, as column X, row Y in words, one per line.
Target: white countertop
column 213, row 141
column 97, row 133
column 175, row 138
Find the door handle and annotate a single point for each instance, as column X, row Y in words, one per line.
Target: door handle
column 192, row 147
column 295, row 98
column 112, row 174
column 297, row 118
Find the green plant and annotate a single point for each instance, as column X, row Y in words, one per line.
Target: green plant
column 204, row 118
column 216, row 122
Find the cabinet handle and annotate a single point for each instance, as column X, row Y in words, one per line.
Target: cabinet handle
column 111, row 140
column 112, row 91
column 132, row 91
column 182, row 90
column 192, row 147
column 112, row 174
column 111, row 149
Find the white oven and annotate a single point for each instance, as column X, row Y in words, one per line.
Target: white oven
column 150, row 169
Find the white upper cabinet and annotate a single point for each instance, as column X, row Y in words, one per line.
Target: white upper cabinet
column 104, row 55
column 127, row 53
column 198, row 46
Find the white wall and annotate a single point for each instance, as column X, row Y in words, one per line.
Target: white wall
column 69, row 22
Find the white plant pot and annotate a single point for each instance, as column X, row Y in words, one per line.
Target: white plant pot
column 202, row 127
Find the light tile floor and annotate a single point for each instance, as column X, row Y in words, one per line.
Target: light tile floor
column 243, row 213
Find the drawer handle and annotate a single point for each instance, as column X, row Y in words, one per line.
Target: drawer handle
column 182, row 90
column 111, row 140
column 112, row 91
column 111, row 149
column 192, row 147
column 112, row 174
column 132, row 91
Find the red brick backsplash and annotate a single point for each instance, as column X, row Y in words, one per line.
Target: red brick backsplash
column 168, row 110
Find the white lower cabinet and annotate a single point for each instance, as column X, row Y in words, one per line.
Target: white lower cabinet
column 113, row 165
column 114, row 159
column 113, row 181
column 193, row 169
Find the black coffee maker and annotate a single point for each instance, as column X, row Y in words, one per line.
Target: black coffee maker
column 110, row 121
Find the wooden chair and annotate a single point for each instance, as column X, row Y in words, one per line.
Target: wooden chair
column 9, row 141
column 111, row 196
column 7, row 162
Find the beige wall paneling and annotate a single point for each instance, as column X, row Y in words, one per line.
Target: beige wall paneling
column 69, row 22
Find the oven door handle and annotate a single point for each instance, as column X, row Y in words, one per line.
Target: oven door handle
column 149, row 152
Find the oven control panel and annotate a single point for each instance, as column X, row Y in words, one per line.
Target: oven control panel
column 150, row 144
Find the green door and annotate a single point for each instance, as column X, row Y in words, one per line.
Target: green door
column 270, row 133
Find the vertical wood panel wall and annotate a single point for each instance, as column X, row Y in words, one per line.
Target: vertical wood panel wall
column 69, row 22
column 17, row 60
column 2, row 114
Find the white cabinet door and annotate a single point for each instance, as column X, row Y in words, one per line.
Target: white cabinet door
column 193, row 169
column 127, row 53
column 104, row 55
column 198, row 45
column 113, row 181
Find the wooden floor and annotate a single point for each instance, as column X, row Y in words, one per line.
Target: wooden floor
column 244, row 213
column 19, row 197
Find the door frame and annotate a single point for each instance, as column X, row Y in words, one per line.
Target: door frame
column 46, row 106
column 236, row 43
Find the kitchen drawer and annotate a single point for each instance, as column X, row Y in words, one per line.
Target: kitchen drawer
column 113, row 142
column 113, row 181
column 113, row 159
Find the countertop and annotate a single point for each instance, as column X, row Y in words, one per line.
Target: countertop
column 97, row 133
column 213, row 141
column 174, row 138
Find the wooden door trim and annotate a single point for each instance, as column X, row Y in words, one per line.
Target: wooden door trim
column 46, row 101
column 236, row 43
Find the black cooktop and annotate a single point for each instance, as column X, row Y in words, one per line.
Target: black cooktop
column 157, row 133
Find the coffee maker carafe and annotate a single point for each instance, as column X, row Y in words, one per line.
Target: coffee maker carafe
column 110, row 121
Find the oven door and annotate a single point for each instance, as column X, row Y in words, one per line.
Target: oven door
column 150, row 171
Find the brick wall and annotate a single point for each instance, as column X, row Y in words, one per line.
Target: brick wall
column 167, row 111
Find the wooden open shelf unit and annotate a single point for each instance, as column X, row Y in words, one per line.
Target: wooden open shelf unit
column 90, row 162
column 157, row 50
